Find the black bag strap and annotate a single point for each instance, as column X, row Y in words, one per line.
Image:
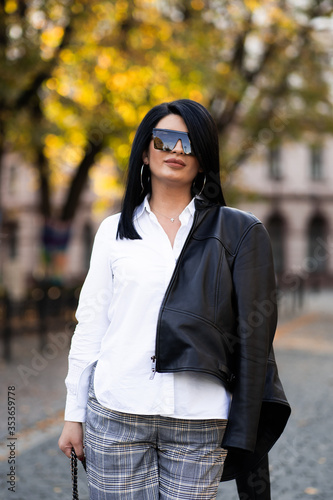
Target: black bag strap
column 75, row 495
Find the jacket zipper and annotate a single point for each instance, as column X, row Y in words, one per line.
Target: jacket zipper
column 155, row 358
column 153, row 367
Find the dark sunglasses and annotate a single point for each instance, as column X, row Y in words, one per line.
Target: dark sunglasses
column 166, row 140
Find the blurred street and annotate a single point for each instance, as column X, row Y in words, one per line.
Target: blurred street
column 301, row 462
column 82, row 87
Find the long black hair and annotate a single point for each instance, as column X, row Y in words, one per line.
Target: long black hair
column 204, row 140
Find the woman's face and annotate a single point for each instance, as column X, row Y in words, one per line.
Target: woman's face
column 173, row 168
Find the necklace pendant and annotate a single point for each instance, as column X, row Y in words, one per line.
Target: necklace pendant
column 172, row 219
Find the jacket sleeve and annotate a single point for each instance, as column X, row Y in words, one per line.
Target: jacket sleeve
column 256, row 312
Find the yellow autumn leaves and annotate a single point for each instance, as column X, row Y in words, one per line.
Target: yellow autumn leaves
column 108, row 62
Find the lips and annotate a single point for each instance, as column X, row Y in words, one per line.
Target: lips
column 175, row 161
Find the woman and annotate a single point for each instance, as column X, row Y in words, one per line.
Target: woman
column 171, row 363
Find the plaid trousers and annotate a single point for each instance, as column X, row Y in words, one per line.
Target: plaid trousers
column 149, row 457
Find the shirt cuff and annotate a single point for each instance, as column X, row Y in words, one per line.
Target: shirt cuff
column 74, row 412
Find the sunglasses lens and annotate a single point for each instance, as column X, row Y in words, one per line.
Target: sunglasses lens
column 162, row 143
column 186, row 144
column 166, row 140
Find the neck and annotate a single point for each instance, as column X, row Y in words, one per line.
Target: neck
column 169, row 201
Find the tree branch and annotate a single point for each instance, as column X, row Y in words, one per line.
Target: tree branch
column 79, row 180
column 3, row 37
column 22, row 7
column 28, row 94
column 265, row 118
column 42, row 167
column 231, row 106
column 237, row 62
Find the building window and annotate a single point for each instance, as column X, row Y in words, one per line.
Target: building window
column 274, row 164
column 276, row 228
column 316, row 165
column 317, row 244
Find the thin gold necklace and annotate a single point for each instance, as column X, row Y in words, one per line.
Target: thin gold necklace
column 172, row 219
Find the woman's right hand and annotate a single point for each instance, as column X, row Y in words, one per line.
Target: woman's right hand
column 72, row 437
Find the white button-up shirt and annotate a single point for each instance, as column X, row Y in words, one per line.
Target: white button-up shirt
column 117, row 317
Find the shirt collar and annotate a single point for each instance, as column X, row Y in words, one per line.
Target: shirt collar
column 140, row 209
column 187, row 213
column 184, row 217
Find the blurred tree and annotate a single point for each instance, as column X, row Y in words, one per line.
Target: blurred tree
column 77, row 77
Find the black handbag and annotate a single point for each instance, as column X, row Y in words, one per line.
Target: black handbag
column 75, row 495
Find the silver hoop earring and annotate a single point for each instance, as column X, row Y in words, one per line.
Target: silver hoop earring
column 141, row 177
column 203, row 185
column 141, row 180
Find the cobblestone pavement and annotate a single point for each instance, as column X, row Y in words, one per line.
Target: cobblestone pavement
column 301, row 462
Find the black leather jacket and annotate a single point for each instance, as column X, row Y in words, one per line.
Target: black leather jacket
column 218, row 316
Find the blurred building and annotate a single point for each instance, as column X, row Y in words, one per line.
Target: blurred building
column 290, row 188
column 21, row 257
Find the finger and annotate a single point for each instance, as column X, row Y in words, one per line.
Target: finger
column 67, row 450
column 78, row 448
